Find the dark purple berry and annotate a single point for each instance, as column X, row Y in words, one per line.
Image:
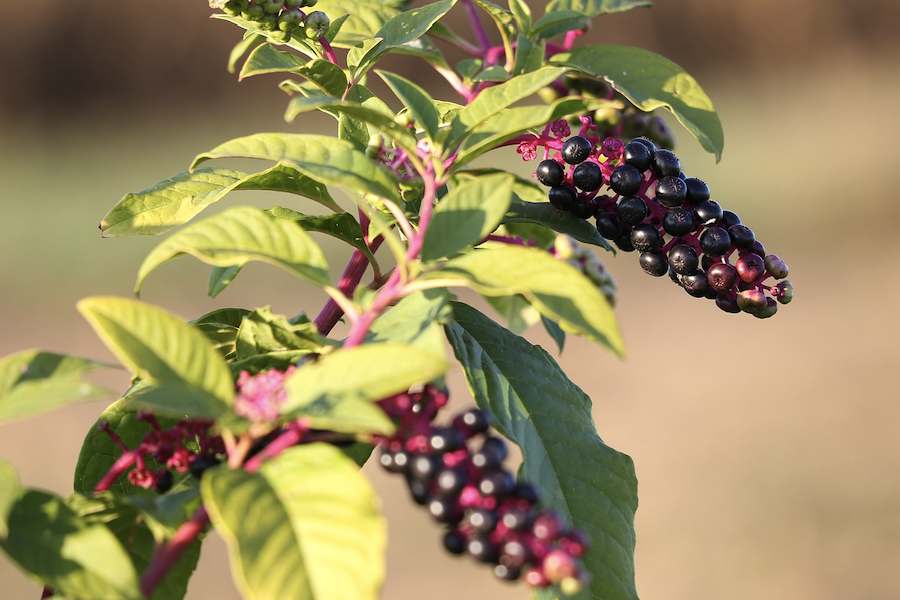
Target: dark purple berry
column 482, row 520
column 758, row 248
column 742, row 236
column 201, row 464
column 721, row 277
column 683, row 259
column 562, row 197
column 715, row 241
column 587, row 176
column 584, row 208
column 626, row 180
column 491, row 455
column 728, row 303
column 576, row 150
column 515, row 554
column 697, row 190
column 550, row 173
column 450, row 481
column 419, row 491
column 632, row 210
column 445, row 511
column 695, row 284
column 483, row 549
column 424, row 467
column 728, row 219
column 678, row 221
column 516, row 519
column 645, row 237
column 497, row 483
column 547, row 526
column 395, row 462
column 507, row 573
column 446, row 439
column 671, row 191
column 708, row 212
column 654, row 263
column 623, row 242
column 472, row 422
column 750, row 267
column 164, row 482
column 608, row 225
column 637, row 154
column 646, row 142
column 665, row 163
column 455, row 542
column 528, row 492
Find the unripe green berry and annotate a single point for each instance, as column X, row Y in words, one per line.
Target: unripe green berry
column 776, row 267
column 317, row 24
column 751, row 301
column 253, row 12
column 566, row 248
column 290, row 19
column 310, row 2
column 268, row 22
column 235, row 7
column 280, row 36
column 273, row 6
column 784, row 292
column 293, row 3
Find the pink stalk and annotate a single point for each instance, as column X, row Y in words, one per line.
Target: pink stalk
column 122, row 464
column 287, row 439
column 481, row 35
column 329, row 51
column 168, row 554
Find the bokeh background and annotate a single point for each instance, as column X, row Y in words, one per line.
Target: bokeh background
column 767, row 451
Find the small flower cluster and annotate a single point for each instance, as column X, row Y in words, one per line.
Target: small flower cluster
column 282, row 17
column 259, row 396
column 651, row 206
column 457, row 472
column 567, row 249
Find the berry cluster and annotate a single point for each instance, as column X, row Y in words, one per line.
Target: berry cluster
column 188, row 446
column 457, row 472
column 654, row 208
column 566, row 248
column 282, row 17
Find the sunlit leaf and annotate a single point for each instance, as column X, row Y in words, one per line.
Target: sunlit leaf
column 594, row 8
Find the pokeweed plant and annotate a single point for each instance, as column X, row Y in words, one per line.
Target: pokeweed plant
column 255, row 424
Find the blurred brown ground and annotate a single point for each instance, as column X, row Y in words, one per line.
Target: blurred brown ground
column 767, row 451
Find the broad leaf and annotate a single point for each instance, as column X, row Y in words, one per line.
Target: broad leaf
column 220, row 278
column 305, row 527
column 557, row 23
column 342, row 226
column 338, row 390
column 241, row 48
column 262, row 332
column 9, row 492
column 34, row 382
column 354, row 130
column 415, row 320
column 48, row 541
column 220, row 326
column 493, row 74
column 466, row 215
column 239, row 235
column 298, row 41
column 559, row 221
column 535, row 405
column 165, row 351
column 651, row 81
column 365, row 17
column 494, row 99
column 132, row 527
column 323, row 158
column 529, row 56
column 555, row 288
column 522, row 14
column 265, row 59
column 178, row 199
column 417, row 100
column 594, row 8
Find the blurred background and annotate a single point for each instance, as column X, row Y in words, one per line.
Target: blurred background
column 767, row 451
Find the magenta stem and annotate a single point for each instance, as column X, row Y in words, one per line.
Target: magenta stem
column 122, row 464
column 484, row 42
column 329, row 51
column 167, row 555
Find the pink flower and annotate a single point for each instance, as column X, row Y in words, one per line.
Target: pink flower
column 528, row 150
column 259, row 396
column 561, row 128
column 612, row 148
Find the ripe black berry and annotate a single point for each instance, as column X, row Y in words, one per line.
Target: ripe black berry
column 550, row 173
column 683, row 259
column 424, row 467
column 632, row 210
column 715, row 241
column 446, row 439
column 637, row 154
column 728, row 303
column 728, row 219
column 654, row 263
column 515, row 554
column 528, row 492
column 450, row 481
column 665, row 163
column 517, row 519
column 697, row 190
column 394, row 461
column 584, row 208
column 626, row 180
column 671, row 191
column 471, row 422
column 645, row 237
column 454, row 542
column 201, row 464
column 562, row 197
column 418, row 490
column 695, row 284
column 623, row 243
column 587, row 176
column 482, row 520
column 496, row 483
column 445, row 511
column 483, row 549
column 507, row 573
column 708, row 212
column 678, row 221
column 750, row 267
column 164, row 482
column 576, row 150
column 742, row 236
column 646, row 142
column 608, row 225
column 721, row 277
column 491, row 455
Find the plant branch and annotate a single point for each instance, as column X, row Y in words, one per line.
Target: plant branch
column 168, row 554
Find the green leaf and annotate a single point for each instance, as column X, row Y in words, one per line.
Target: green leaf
column 529, row 56
column 415, row 320
column 338, row 390
column 262, row 332
column 511, row 122
column 495, row 73
column 99, row 452
column 651, row 81
column 323, row 158
column 535, row 405
column 559, row 22
column 417, row 100
column 48, row 541
column 556, row 289
column 34, row 382
column 165, row 351
column 594, row 8
column 265, row 59
column 517, row 312
column 555, row 332
column 522, row 14
column 466, row 215
column 297, row 42
column 502, row 18
column 178, row 199
column 239, row 235
column 220, row 326
column 494, row 99
column 305, row 527
column 241, row 48
column 561, row 222
column 132, row 527
column 364, row 19
column 341, row 226
column 9, row 492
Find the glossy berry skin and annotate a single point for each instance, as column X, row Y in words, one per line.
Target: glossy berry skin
column 576, row 150
column 665, row 163
column 608, row 225
column 394, row 462
column 446, row 439
column 750, row 267
column 445, row 511
column 715, row 241
column 645, row 237
column 742, row 236
column 623, row 243
column 678, row 221
column 632, row 210
column 626, row 180
column 472, row 422
column 697, row 190
column 646, row 142
column 708, row 212
column 164, row 482
column 450, row 481
column 482, row 520
column 201, row 464
column 491, row 455
column 550, row 173
column 507, row 573
column 498, row 482
column 728, row 303
column 695, row 284
column 483, row 549
column 454, row 542
column 751, row 301
column 562, row 197
column 683, row 260
column 587, row 176
column 728, row 219
column 637, row 154
column 424, row 467
column 317, row 23
column 721, row 277
column 654, row 263
column 776, row 266
column 671, row 191
column 584, row 208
